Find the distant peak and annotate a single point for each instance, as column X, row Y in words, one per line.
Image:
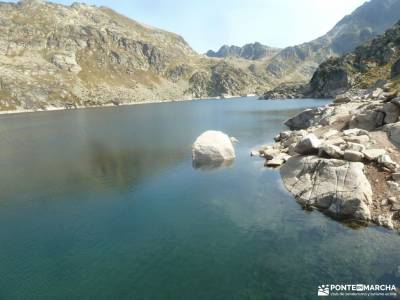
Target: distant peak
column 252, row 51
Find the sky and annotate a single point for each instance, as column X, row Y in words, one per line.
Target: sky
column 208, row 24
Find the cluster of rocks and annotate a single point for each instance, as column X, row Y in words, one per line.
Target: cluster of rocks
column 339, row 159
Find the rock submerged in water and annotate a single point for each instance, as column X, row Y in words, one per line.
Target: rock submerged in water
column 212, row 148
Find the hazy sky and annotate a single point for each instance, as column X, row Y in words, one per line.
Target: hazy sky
column 207, row 24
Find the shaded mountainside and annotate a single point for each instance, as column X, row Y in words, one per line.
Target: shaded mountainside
column 298, row 63
column 54, row 56
column 374, row 61
column 253, row 51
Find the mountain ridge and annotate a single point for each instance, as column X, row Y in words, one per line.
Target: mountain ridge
column 251, row 51
column 58, row 56
column 368, row 66
column 373, row 62
column 298, row 63
column 53, row 55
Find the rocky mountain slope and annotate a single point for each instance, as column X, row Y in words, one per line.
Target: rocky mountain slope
column 253, row 51
column 374, row 61
column 54, row 56
column 367, row 66
column 298, row 63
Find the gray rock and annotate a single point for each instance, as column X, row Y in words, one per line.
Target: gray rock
column 368, row 120
column 278, row 160
column 355, row 147
column 336, row 141
column 373, row 154
column 336, row 187
column 285, row 135
column 269, row 154
column 294, row 138
column 330, row 133
column 292, row 149
column 212, row 146
column 353, row 156
column 392, row 113
column 361, row 139
column 355, row 132
column 377, row 93
column 385, row 221
column 387, row 162
column 395, row 207
column 308, row 145
column 396, row 101
column 274, row 163
column 385, row 202
column 396, row 177
column 308, row 117
column 393, row 131
column 67, row 61
column 277, row 138
column 343, row 98
column 388, row 96
column 395, row 69
column 393, row 186
column 387, row 87
column 331, row 151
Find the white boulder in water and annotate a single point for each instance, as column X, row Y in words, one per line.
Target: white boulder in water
column 212, row 147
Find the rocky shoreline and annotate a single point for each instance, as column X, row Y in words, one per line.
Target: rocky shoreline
column 343, row 158
column 288, row 91
column 75, row 107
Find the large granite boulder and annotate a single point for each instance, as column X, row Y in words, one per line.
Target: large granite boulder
column 338, row 188
column 308, row 117
column 393, row 132
column 392, row 113
column 211, row 147
column 368, row 120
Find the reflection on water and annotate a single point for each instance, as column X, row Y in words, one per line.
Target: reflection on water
column 212, row 165
column 126, row 167
column 105, row 204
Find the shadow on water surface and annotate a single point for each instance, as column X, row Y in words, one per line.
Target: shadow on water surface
column 212, row 165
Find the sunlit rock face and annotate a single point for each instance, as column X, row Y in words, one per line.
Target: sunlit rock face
column 339, row 188
column 212, row 148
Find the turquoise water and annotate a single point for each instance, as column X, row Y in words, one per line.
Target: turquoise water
column 105, row 204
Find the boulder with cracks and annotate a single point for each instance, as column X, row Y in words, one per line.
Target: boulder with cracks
column 336, row 187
